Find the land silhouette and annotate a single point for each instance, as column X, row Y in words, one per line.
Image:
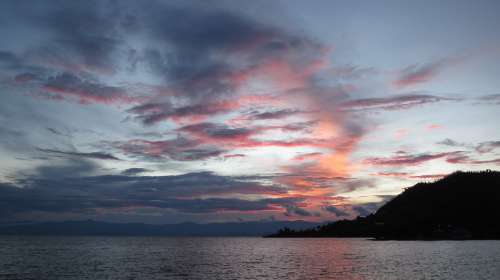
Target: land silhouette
column 462, row 205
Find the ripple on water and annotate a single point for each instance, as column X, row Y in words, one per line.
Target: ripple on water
column 244, row 258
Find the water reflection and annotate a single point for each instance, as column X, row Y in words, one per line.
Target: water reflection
column 244, row 258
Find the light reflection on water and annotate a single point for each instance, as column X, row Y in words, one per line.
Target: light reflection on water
column 244, row 258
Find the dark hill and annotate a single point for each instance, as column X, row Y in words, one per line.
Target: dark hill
column 463, row 205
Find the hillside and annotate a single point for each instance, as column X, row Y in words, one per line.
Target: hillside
column 463, row 205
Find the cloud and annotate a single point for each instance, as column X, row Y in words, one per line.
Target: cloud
column 481, row 148
column 409, row 175
column 80, row 192
column 349, row 72
column 180, row 148
column 452, row 143
column 219, row 132
column 308, row 156
column 364, row 210
column 10, row 60
column 217, row 50
column 408, row 159
column 464, row 159
column 292, row 210
column 428, row 176
column 245, row 137
column 335, row 210
column 68, row 85
column 81, row 36
column 493, row 99
column 55, row 131
column 486, row 147
column 274, row 114
column 421, row 73
column 152, row 113
column 391, row 103
column 234, row 156
column 92, row 155
column 134, row 171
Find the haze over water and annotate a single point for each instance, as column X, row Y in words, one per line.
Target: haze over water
column 244, row 258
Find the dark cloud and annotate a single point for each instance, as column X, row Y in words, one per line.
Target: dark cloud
column 134, row 171
column 203, row 56
column 72, row 188
column 91, row 155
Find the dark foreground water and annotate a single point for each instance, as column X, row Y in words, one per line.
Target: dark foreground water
column 244, row 258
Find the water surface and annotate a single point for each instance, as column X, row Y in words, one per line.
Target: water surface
column 244, row 258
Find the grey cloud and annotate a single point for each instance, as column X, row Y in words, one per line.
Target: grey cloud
column 361, row 211
column 292, row 210
column 82, row 33
column 335, row 210
column 486, row 147
column 67, row 84
column 420, row 73
column 91, row 155
column 391, row 103
column 452, row 143
column 491, row 99
column 217, row 131
column 275, row 114
column 152, row 113
column 180, row 148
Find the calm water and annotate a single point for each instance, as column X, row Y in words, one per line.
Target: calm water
column 244, row 258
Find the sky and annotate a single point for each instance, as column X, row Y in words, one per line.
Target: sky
column 223, row 111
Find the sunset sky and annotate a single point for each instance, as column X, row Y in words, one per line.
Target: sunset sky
column 212, row 111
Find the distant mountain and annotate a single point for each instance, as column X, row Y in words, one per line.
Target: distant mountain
column 463, row 205
column 90, row 227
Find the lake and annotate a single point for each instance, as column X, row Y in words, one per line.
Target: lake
column 244, row 258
